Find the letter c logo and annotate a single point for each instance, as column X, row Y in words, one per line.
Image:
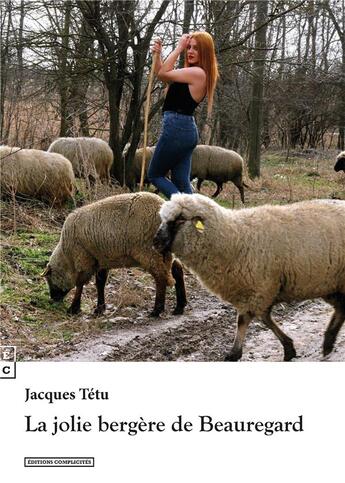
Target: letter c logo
column 6, row 369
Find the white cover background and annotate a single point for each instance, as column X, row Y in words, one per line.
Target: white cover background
column 162, row 391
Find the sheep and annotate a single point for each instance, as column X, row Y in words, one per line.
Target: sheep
column 90, row 157
column 137, row 162
column 36, row 174
column 340, row 164
column 111, row 233
column 257, row 257
column 218, row 165
column 208, row 163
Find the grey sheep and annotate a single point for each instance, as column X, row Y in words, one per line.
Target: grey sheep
column 114, row 232
column 255, row 258
column 137, row 162
column 340, row 163
column 219, row 165
column 211, row 163
column 90, row 157
column 36, row 174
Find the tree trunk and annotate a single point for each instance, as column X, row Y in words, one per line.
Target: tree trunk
column 188, row 12
column 341, row 105
column 256, row 104
column 5, row 48
column 66, row 121
column 79, row 88
column 20, row 49
column 114, row 57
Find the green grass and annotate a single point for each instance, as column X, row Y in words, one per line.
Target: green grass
column 24, row 292
column 4, row 269
column 277, row 160
column 224, row 203
column 28, row 252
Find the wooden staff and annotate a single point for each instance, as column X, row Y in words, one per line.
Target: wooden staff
column 146, row 119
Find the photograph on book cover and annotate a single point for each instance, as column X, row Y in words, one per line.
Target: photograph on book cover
column 173, row 181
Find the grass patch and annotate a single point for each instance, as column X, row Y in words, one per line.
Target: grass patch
column 30, row 232
column 25, row 308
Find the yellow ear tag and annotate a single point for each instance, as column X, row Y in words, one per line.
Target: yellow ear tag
column 199, row 226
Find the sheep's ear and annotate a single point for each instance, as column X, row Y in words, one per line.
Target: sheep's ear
column 46, row 271
column 199, row 224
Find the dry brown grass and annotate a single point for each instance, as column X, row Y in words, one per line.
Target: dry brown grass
column 299, row 178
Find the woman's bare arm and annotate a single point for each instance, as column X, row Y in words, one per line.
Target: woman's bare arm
column 169, row 63
column 166, row 71
column 190, row 75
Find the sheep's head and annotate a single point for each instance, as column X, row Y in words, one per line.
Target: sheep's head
column 185, row 218
column 59, row 277
column 340, row 164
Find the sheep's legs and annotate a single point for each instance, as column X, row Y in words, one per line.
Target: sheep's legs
column 199, row 183
column 101, row 280
column 241, row 190
column 243, row 320
column 239, row 185
column 337, row 320
column 289, row 350
column 75, row 306
column 82, row 279
column 216, row 193
column 161, row 286
column 92, row 180
column 181, row 299
column 218, row 190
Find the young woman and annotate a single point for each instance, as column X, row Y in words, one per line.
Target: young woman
column 187, row 88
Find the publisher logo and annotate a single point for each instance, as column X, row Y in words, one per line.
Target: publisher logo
column 49, row 461
column 7, row 362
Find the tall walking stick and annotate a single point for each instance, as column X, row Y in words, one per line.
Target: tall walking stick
column 146, row 119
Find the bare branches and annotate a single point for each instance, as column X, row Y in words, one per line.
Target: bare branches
column 264, row 24
column 80, row 67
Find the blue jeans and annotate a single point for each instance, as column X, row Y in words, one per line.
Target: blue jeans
column 173, row 153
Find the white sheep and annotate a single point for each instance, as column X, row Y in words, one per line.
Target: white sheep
column 219, row 165
column 90, row 157
column 257, row 257
column 36, row 174
column 114, row 232
column 340, row 163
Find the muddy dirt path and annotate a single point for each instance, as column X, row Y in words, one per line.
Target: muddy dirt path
column 205, row 332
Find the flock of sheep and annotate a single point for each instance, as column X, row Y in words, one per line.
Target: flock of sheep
column 50, row 176
column 253, row 258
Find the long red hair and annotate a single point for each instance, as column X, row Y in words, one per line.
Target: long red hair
column 208, row 62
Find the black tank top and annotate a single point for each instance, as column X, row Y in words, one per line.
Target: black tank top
column 179, row 99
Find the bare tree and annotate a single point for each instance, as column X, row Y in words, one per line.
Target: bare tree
column 6, row 16
column 256, row 104
column 187, row 17
column 114, row 48
column 64, row 77
column 339, row 25
column 81, row 67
